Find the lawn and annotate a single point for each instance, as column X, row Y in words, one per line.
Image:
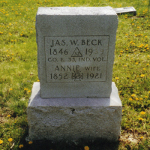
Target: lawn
column 18, row 72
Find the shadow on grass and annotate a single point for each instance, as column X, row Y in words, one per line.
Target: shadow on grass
column 99, row 144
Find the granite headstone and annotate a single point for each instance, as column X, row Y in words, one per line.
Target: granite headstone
column 76, row 51
column 75, row 97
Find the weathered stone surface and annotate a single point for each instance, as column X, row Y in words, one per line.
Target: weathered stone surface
column 76, row 51
column 74, row 118
column 123, row 10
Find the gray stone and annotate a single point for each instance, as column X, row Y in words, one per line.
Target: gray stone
column 75, row 97
column 76, row 51
column 125, row 10
column 74, row 118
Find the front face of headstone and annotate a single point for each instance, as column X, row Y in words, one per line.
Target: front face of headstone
column 72, row 59
column 76, row 51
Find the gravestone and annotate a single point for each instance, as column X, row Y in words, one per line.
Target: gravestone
column 123, row 10
column 76, row 50
column 75, row 97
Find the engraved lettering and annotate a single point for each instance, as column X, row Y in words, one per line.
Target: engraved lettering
column 98, row 59
column 57, row 51
column 76, row 58
column 83, row 42
column 58, row 43
column 63, row 43
column 92, row 68
column 57, row 68
column 94, row 75
column 92, row 42
column 88, row 52
column 67, row 68
column 66, row 76
column 52, row 44
column 52, row 60
column 99, row 42
column 77, row 75
column 88, row 42
column 73, row 42
column 59, row 76
column 72, row 60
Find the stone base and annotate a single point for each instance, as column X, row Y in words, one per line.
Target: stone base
column 74, row 118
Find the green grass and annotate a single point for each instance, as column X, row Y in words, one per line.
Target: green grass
column 18, row 71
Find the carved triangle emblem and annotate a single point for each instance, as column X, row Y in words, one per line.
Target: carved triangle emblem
column 76, row 53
